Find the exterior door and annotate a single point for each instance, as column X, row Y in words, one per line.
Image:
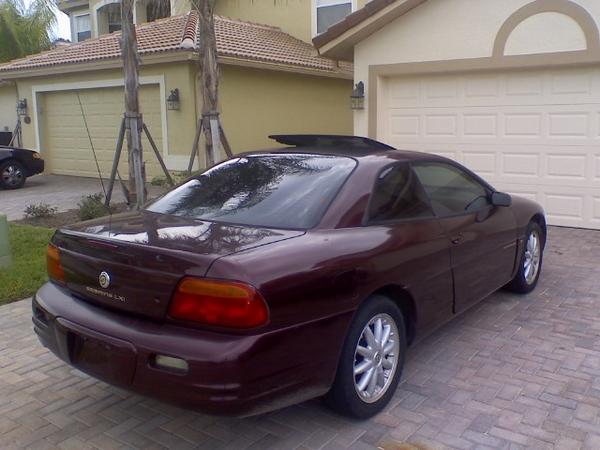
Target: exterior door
column 415, row 254
column 483, row 239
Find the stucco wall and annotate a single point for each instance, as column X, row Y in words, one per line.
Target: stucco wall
column 292, row 16
column 457, row 29
column 297, row 17
column 180, row 124
column 8, row 103
column 256, row 103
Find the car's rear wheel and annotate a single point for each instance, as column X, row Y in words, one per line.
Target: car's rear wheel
column 371, row 361
column 12, row 175
column 530, row 264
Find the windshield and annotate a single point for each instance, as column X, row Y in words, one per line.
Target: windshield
column 275, row 191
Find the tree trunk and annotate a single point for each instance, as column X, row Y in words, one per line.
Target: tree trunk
column 209, row 69
column 133, row 119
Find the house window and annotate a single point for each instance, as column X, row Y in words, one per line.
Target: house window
column 83, row 29
column 157, row 9
column 330, row 12
column 113, row 17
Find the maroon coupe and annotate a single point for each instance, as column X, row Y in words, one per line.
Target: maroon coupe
column 283, row 275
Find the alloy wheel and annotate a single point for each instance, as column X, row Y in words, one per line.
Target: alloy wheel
column 12, row 175
column 533, row 251
column 376, row 358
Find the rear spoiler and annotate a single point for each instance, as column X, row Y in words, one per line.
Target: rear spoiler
column 329, row 140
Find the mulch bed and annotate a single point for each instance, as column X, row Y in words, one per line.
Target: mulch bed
column 64, row 218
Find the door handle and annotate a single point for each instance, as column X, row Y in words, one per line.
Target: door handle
column 457, row 239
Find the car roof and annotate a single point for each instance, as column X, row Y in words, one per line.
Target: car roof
column 338, row 145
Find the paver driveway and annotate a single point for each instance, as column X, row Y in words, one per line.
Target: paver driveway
column 513, row 372
column 64, row 192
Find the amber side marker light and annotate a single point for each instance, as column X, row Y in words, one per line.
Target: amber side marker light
column 221, row 303
column 55, row 269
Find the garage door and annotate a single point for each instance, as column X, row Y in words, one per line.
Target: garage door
column 531, row 133
column 65, row 143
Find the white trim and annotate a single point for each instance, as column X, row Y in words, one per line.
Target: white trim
column 102, row 3
column 74, row 25
column 337, row 2
column 313, row 11
column 170, row 160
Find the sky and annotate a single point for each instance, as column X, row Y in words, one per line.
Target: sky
column 62, row 28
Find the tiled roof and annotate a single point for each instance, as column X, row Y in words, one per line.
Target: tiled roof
column 264, row 43
column 235, row 39
column 351, row 20
column 370, row 16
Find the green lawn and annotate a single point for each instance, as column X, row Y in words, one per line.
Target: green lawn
column 28, row 271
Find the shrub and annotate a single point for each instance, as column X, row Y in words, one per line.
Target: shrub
column 91, row 207
column 35, row 211
column 177, row 176
column 158, row 181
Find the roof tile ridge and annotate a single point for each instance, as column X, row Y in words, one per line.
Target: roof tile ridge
column 190, row 31
column 247, row 22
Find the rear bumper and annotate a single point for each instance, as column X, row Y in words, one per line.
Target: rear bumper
column 228, row 374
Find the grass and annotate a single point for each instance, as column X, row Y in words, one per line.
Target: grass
column 28, row 271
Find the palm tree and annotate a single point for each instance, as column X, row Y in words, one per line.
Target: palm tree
column 25, row 30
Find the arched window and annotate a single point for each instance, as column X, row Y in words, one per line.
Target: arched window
column 109, row 17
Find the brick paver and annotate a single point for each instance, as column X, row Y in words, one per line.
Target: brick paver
column 513, row 372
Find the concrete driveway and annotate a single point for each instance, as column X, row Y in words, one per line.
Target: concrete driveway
column 513, row 372
column 64, row 192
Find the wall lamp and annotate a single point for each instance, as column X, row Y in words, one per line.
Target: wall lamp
column 22, row 107
column 357, row 99
column 173, row 100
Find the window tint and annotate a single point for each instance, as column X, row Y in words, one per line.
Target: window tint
column 450, row 190
column 278, row 191
column 398, row 195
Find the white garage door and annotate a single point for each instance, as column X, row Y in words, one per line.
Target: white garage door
column 65, row 143
column 531, row 133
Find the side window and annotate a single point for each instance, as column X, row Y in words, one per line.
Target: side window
column 398, row 195
column 450, row 190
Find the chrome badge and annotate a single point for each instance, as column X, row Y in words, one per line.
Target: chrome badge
column 104, row 280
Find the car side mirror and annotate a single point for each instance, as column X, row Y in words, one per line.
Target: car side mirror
column 501, row 199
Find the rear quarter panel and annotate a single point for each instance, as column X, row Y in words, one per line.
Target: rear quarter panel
column 330, row 272
column 315, row 283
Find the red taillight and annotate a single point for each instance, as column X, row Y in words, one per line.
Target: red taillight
column 221, row 303
column 55, row 269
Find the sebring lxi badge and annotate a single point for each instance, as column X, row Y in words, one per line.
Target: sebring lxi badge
column 104, row 280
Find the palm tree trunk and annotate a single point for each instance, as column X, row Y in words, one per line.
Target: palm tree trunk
column 133, row 118
column 209, row 69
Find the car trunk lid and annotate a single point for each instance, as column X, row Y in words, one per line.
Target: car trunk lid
column 133, row 262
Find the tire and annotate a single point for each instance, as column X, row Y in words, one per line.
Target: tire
column 344, row 395
column 524, row 281
column 12, row 174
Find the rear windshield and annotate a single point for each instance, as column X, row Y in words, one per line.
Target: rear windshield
column 275, row 191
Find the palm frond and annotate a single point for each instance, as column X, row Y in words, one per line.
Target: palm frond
column 25, row 30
